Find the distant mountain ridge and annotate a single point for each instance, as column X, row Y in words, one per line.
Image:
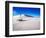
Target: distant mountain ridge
column 23, row 15
column 28, row 16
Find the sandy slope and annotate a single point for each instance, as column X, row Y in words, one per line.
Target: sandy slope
column 31, row 23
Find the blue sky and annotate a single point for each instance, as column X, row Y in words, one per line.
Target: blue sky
column 26, row 10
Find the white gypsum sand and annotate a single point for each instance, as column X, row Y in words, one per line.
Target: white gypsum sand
column 31, row 23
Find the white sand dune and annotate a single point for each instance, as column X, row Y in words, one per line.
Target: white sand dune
column 31, row 23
